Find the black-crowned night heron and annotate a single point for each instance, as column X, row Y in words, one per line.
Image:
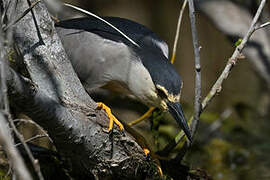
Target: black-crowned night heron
column 102, row 57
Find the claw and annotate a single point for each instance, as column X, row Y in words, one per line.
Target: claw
column 112, row 118
column 146, row 151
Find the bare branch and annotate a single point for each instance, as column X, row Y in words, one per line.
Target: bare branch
column 234, row 24
column 3, row 72
column 101, row 19
column 37, row 125
column 216, row 125
column 31, row 139
column 197, row 102
column 57, row 101
column 6, row 102
column 20, row 17
column 15, row 158
column 35, row 20
column 178, row 31
column 198, row 86
column 233, row 59
column 262, row 26
column 217, row 87
column 34, row 161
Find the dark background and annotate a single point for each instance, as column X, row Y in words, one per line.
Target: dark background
column 240, row 148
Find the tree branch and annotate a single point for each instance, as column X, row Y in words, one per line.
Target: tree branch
column 55, row 99
column 262, row 26
column 178, row 31
column 234, row 24
column 197, row 101
column 198, row 84
column 217, row 87
column 6, row 141
column 5, row 39
column 233, row 59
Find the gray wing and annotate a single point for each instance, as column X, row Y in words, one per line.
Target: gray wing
column 137, row 32
column 96, row 60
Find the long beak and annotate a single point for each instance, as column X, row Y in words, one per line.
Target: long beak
column 176, row 111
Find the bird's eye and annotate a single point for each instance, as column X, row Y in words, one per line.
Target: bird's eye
column 161, row 94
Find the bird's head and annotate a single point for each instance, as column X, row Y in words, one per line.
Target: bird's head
column 170, row 102
column 166, row 91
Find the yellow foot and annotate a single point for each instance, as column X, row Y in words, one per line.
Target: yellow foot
column 111, row 117
column 144, row 145
column 148, row 154
column 146, row 151
column 146, row 115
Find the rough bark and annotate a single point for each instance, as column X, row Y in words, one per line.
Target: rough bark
column 56, row 100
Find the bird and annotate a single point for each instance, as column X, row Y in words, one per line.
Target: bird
column 136, row 64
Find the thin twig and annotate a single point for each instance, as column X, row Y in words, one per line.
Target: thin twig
column 176, row 39
column 24, row 13
column 230, row 64
column 198, row 84
column 34, row 161
column 36, row 24
column 8, row 173
column 5, row 136
column 103, row 20
column 37, row 125
column 6, row 105
column 218, row 123
column 32, row 139
column 217, row 87
column 233, row 59
column 3, row 73
column 178, row 31
column 7, row 110
column 12, row 153
column 4, row 13
column 262, row 26
column 197, row 103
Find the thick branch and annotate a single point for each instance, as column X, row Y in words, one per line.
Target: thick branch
column 56, row 100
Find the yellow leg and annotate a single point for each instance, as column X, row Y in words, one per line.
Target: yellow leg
column 146, row 151
column 111, row 116
column 146, row 115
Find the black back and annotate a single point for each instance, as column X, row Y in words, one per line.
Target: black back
column 133, row 30
column 161, row 70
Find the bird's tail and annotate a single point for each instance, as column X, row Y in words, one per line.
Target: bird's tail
column 64, row 11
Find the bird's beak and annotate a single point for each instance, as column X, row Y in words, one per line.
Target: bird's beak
column 176, row 111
